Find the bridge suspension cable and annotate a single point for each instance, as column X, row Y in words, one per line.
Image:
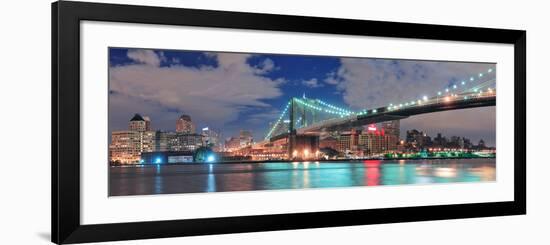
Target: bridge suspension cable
column 278, row 120
column 448, row 90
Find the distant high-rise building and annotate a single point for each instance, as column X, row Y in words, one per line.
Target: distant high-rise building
column 185, row 125
column 246, row 138
column 391, row 128
column 440, row 141
column 481, row 144
column 456, row 142
column 417, row 139
column 211, row 138
column 392, row 133
column 467, row 143
column 461, row 142
column 161, row 141
column 232, row 143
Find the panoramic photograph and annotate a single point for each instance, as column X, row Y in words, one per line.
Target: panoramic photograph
column 184, row 121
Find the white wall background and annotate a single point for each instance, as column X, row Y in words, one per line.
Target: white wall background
column 25, row 109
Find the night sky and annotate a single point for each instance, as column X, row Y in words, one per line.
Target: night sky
column 233, row 91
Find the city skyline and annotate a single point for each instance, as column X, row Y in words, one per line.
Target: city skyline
column 235, row 91
column 403, row 135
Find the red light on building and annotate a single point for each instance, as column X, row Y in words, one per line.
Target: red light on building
column 372, row 127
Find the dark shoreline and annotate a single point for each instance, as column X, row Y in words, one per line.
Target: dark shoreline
column 286, row 161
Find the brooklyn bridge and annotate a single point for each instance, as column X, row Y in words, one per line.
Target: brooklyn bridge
column 303, row 119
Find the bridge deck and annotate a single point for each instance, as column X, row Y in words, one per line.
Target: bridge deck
column 385, row 114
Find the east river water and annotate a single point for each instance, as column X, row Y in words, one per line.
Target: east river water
column 195, row 178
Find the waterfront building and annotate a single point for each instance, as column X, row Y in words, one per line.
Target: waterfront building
column 348, row 141
column 138, row 123
column 374, row 141
column 127, row 145
column 185, row 125
column 124, row 147
column 177, row 141
column 328, row 142
column 167, row 157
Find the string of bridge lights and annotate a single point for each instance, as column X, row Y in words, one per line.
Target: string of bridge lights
column 343, row 112
column 333, row 107
column 334, row 110
column 278, row 120
column 425, row 98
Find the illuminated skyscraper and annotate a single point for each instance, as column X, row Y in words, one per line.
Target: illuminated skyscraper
column 391, row 128
column 374, row 140
column 138, row 123
column 348, row 141
column 185, row 125
column 392, row 133
column 211, row 138
column 127, row 145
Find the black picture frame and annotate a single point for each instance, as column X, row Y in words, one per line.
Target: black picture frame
column 66, row 18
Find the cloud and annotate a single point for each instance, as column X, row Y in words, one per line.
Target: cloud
column 175, row 60
column 312, row 83
column 266, row 66
column 145, row 56
column 264, row 116
column 370, row 83
column 209, row 94
column 331, row 79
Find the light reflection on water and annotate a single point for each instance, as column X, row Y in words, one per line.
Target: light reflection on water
column 195, row 178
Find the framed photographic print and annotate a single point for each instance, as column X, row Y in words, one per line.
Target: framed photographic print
column 177, row 122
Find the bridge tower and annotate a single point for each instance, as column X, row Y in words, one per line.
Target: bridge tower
column 291, row 130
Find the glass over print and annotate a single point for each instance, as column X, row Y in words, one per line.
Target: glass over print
column 185, row 121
